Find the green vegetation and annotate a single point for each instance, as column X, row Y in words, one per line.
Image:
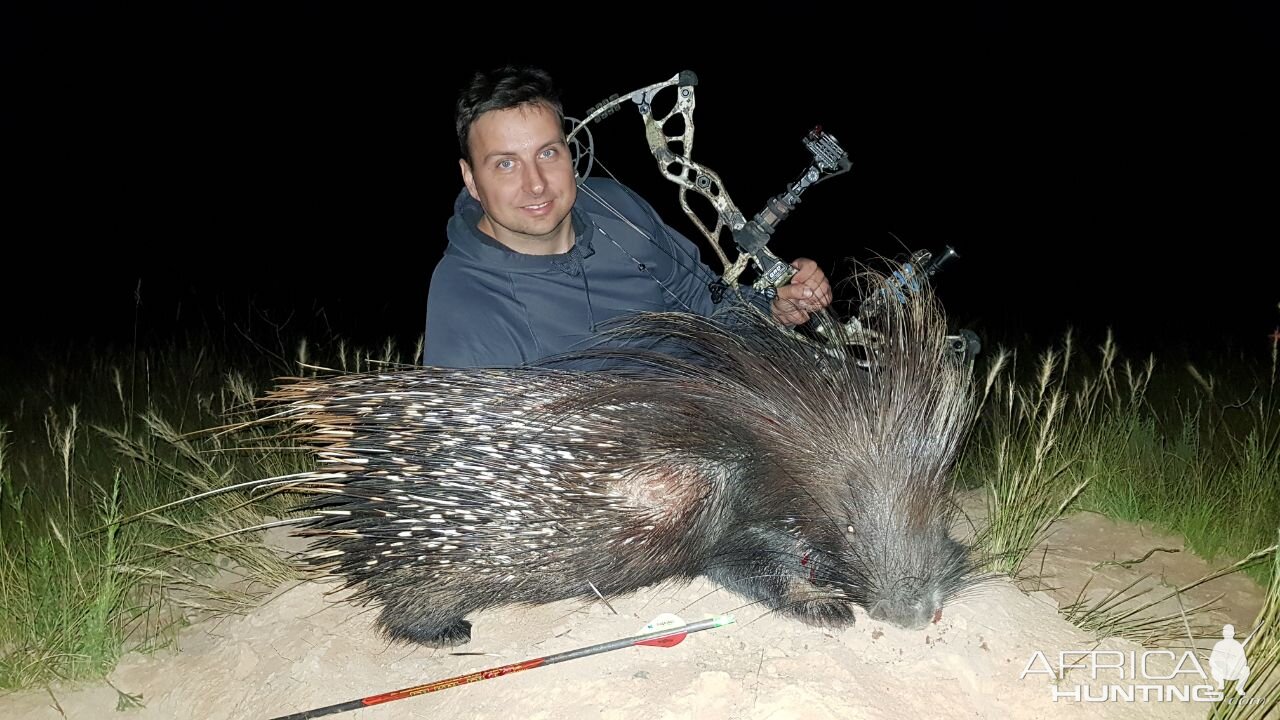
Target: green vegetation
column 1129, row 441
column 87, row 445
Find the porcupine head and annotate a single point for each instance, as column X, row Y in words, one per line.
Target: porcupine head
column 884, row 464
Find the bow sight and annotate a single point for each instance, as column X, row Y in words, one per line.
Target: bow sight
column 829, row 160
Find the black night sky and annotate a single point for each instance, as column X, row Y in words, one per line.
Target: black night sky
column 166, row 169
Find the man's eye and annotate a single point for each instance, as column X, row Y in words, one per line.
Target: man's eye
column 548, row 153
column 505, row 164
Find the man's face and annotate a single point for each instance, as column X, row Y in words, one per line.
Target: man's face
column 523, row 177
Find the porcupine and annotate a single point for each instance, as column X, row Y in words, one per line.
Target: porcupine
column 807, row 480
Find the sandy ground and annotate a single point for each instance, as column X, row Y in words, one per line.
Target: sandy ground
column 305, row 649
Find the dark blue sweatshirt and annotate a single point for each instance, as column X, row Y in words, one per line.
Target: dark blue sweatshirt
column 489, row 306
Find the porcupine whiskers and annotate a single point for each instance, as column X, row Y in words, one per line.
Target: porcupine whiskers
column 799, row 479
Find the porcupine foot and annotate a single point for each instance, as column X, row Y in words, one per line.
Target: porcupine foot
column 825, row 612
column 425, row 631
column 767, row 566
column 798, row 597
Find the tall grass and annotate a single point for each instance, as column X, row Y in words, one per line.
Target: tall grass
column 1127, row 440
column 90, row 443
column 1261, row 696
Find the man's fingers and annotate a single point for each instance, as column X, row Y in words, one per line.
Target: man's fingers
column 823, row 294
column 795, row 318
column 798, row 294
column 788, row 312
column 809, row 284
column 808, row 290
column 805, row 268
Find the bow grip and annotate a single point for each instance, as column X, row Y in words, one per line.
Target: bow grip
column 753, row 238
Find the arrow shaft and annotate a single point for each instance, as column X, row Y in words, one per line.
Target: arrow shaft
column 507, row 669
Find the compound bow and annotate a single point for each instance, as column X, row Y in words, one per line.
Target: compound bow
column 673, row 155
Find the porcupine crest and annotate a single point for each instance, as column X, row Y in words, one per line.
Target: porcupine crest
column 801, row 479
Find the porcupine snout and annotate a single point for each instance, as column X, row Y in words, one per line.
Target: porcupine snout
column 910, row 605
column 912, row 595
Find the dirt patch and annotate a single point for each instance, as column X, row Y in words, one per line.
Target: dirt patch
column 305, row 648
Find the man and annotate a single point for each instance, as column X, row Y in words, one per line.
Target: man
column 535, row 263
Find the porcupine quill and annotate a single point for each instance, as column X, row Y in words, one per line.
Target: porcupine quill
column 807, row 480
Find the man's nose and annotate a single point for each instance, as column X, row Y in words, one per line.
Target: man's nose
column 534, row 180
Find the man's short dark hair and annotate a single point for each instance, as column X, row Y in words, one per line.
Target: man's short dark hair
column 505, row 87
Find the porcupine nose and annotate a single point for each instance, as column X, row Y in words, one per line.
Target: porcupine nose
column 907, row 606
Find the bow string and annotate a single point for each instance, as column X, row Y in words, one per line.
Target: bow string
column 673, row 153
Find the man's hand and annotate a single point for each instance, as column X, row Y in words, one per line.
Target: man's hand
column 807, row 291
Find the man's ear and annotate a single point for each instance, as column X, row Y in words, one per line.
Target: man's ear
column 467, row 178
